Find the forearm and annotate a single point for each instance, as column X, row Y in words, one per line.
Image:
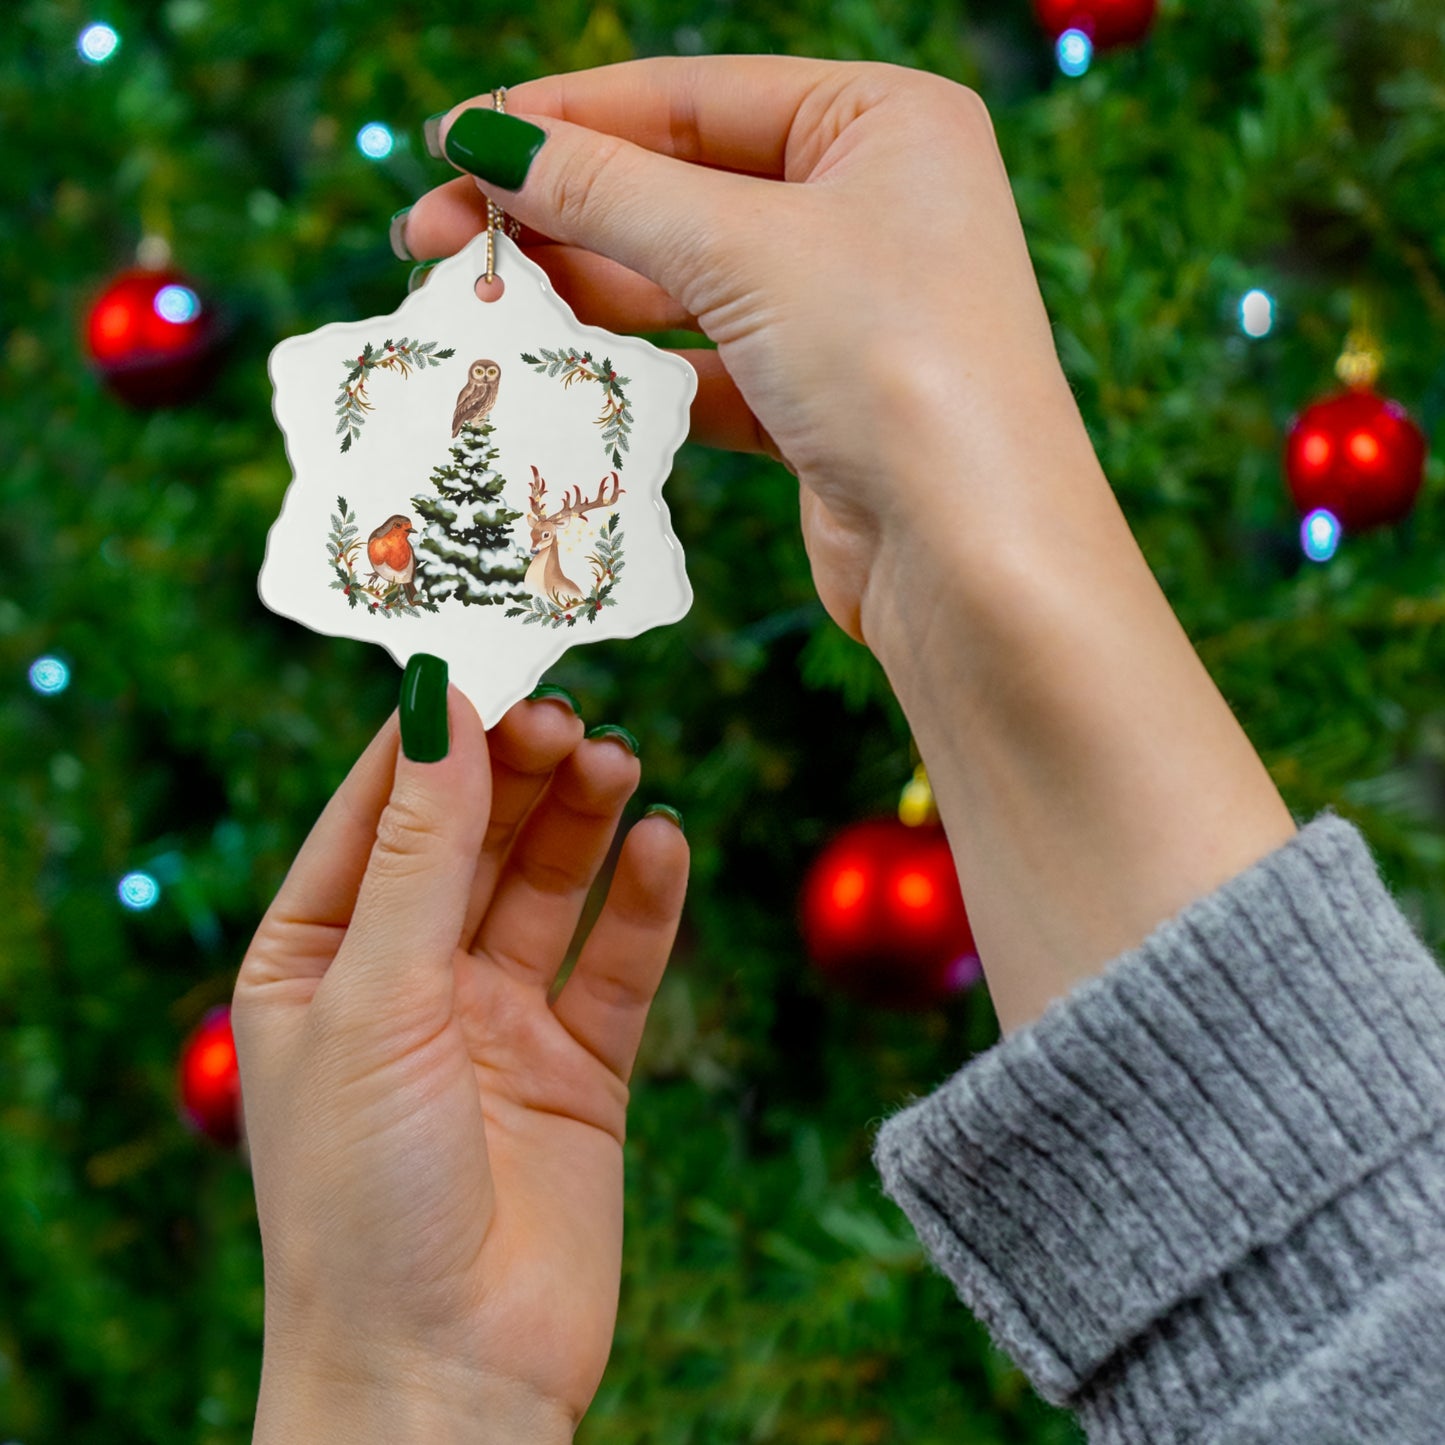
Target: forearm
column 1092, row 780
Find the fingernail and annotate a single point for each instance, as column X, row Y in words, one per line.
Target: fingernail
column 431, row 133
column 398, row 235
column 418, row 275
column 667, row 812
column 611, row 730
column 424, row 736
column 498, row 148
column 549, row 689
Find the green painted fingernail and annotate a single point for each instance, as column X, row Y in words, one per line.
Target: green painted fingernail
column 611, row 730
column 418, row 275
column 550, row 689
column 666, row 812
column 498, row 148
column 424, row 735
column 431, row 133
column 397, row 233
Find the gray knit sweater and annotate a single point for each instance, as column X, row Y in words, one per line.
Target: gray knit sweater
column 1202, row 1199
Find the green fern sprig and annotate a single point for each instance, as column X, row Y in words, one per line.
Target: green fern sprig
column 606, row 563
column 343, row 548
column 616, row 415
column 402, row 357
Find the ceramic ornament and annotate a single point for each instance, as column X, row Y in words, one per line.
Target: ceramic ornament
column 478, row 480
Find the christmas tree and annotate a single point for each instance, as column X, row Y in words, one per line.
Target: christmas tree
column 467, row 531
column 168, row 742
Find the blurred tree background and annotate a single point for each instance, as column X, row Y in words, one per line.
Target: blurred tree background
column 770, row 1291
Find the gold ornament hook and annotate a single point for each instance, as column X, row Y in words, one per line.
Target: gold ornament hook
column 1361, row 360
column 915, row 805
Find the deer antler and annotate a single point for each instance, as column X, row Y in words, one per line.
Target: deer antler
column 579, row 507
column 538, row 517
column 535, row 505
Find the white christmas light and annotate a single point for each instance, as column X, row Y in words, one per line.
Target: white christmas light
column 1256, row 313
column 1320, row 535
column 97, row 43
column 138, row 891
column 177, row 304
column 49, row 675
column 375, row 141
column 1075, row 51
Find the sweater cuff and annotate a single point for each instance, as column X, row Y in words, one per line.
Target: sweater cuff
column 1255, row 1058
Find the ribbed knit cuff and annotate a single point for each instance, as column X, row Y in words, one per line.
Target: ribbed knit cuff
column 1091, row 1179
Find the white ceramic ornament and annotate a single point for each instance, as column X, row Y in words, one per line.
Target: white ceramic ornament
column 480, row 480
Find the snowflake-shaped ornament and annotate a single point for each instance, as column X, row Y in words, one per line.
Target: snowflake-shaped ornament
column 478, row 480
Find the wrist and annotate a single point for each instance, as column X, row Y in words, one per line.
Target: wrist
column 323, row 1405
column 974, row 522
column 1092, row 779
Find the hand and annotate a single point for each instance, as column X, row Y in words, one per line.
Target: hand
column 437, row 1150
column 878, row 324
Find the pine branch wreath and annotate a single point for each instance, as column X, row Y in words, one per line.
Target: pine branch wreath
column 402, row 357
column 343, row 547
column 606, row 568
column 616, row 415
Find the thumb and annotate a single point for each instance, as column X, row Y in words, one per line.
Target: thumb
column 407, row 922
column 661, row 217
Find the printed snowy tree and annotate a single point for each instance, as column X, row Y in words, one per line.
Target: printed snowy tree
column 467, row 549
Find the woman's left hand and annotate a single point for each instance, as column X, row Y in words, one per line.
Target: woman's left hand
column 436, row 1147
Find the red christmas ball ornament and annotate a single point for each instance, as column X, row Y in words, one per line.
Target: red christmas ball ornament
column 153, row 339
column 1359, row 456
column 210, row 1080
column 1107, row 23
column 883, row 917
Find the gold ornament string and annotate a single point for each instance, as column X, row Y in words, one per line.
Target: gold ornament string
column 496, row 216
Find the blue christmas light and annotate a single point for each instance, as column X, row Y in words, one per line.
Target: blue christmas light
column 49, row 675
column 177, row 304
column 1320, row 535
column 375, row 140
column 97, row 44
column 1075, row 51
column 1256, row 313
column 138, row 891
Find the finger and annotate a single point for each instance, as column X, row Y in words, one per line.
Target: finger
column 544, row 884
column 738, row 112
column 525, row 746
column 606, row 195
column 442, row 221
column 603, row 293
column 720, row 416
column 300, row 932
column 606, row 998
column 598, row 290
column 395, row 962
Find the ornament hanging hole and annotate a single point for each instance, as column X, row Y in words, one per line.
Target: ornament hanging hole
column 489, row 291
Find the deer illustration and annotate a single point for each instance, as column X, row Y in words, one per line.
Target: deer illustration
column 545, row 577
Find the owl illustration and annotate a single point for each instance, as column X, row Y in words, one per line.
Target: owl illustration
column 478, row 396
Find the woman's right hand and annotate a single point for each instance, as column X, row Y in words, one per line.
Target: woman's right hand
column 878, row 324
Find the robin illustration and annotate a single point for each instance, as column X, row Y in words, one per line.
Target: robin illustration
column 389, row 550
